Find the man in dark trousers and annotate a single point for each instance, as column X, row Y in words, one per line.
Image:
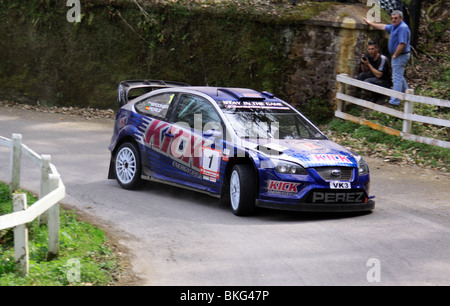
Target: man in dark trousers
column 375, row 70
column 399, row 47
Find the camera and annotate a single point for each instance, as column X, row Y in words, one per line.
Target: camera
column 365, row 57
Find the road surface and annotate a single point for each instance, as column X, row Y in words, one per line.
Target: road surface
column 179, row 237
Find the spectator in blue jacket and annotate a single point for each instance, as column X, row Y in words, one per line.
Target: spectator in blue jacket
column 399, row 48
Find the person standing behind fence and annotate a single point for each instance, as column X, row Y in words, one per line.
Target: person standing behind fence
column 375, row 70
column 399, row 47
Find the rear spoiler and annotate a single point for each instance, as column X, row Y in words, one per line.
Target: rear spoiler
column 141, row 87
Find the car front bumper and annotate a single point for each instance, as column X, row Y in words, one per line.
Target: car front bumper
column 319, row 207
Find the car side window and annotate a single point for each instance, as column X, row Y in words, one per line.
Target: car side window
column 155, row 106
column 198, row 113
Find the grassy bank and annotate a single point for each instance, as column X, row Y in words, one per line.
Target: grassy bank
column 392, row 149
column 83, row 248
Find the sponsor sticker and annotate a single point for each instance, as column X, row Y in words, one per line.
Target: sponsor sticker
column 226, row 154
column 281, row 187
column 175, row 142
column 336, row 197
column 123, row 122
column 155, row 107
column 254, row 104
column 333, row 158
column 312, row 147
column 210, row 165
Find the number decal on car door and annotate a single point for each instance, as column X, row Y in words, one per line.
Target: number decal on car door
column 210, row 162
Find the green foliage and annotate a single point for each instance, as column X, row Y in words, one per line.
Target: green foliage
column 78, row 240
column 47, row 59
column 438, row 88
column 318, row 110
column 50, row 60
column 342, row 126
column 5, row 197
column 211, row 51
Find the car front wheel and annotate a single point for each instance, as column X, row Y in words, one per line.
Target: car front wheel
column 128, row 166
column 242, row 186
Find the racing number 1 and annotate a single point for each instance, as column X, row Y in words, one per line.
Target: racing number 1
column 210, row 162
column 211, row 157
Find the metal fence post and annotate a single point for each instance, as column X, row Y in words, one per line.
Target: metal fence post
column 16, row 159
column 21, row 238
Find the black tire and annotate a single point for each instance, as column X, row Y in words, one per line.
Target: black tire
column 242, row 186
column 127, row 166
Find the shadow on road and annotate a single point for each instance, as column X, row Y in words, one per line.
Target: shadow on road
column 206, row 205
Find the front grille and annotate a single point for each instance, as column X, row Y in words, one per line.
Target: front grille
column 330, row 173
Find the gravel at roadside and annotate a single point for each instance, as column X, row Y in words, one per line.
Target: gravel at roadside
column 87, row 113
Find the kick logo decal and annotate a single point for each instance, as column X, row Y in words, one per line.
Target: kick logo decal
column 281, row 187
column 177, row 143
column 332, row 158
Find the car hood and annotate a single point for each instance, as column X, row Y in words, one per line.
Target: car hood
column 306, row 152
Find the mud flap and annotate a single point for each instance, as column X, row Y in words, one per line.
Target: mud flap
column 111, row 172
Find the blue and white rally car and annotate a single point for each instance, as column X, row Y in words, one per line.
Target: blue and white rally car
column 245, row 147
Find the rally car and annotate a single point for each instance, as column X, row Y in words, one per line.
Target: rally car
column 245, row 147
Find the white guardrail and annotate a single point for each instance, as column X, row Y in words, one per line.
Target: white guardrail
column 407, row 114
column 52, row 191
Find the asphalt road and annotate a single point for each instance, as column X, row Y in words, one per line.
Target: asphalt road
column 179, row 237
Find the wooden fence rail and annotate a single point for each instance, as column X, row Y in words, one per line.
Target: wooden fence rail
column 52, row 191
column 407, row 114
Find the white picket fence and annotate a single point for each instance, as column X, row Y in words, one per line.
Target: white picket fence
column 52, row 191
column 407, row 114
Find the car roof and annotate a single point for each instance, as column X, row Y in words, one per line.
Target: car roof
column 231, row 93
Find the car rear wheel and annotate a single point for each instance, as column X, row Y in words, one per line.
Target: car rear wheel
column 242, row 186
column 128, row 166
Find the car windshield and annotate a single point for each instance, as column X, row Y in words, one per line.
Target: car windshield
column 271, row 124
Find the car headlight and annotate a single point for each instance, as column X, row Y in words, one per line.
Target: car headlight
column 285, row 167
column 363, row 167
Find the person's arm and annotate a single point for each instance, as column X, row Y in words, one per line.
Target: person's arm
column 374, row 71
column 379, row 26
column 399, row 50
